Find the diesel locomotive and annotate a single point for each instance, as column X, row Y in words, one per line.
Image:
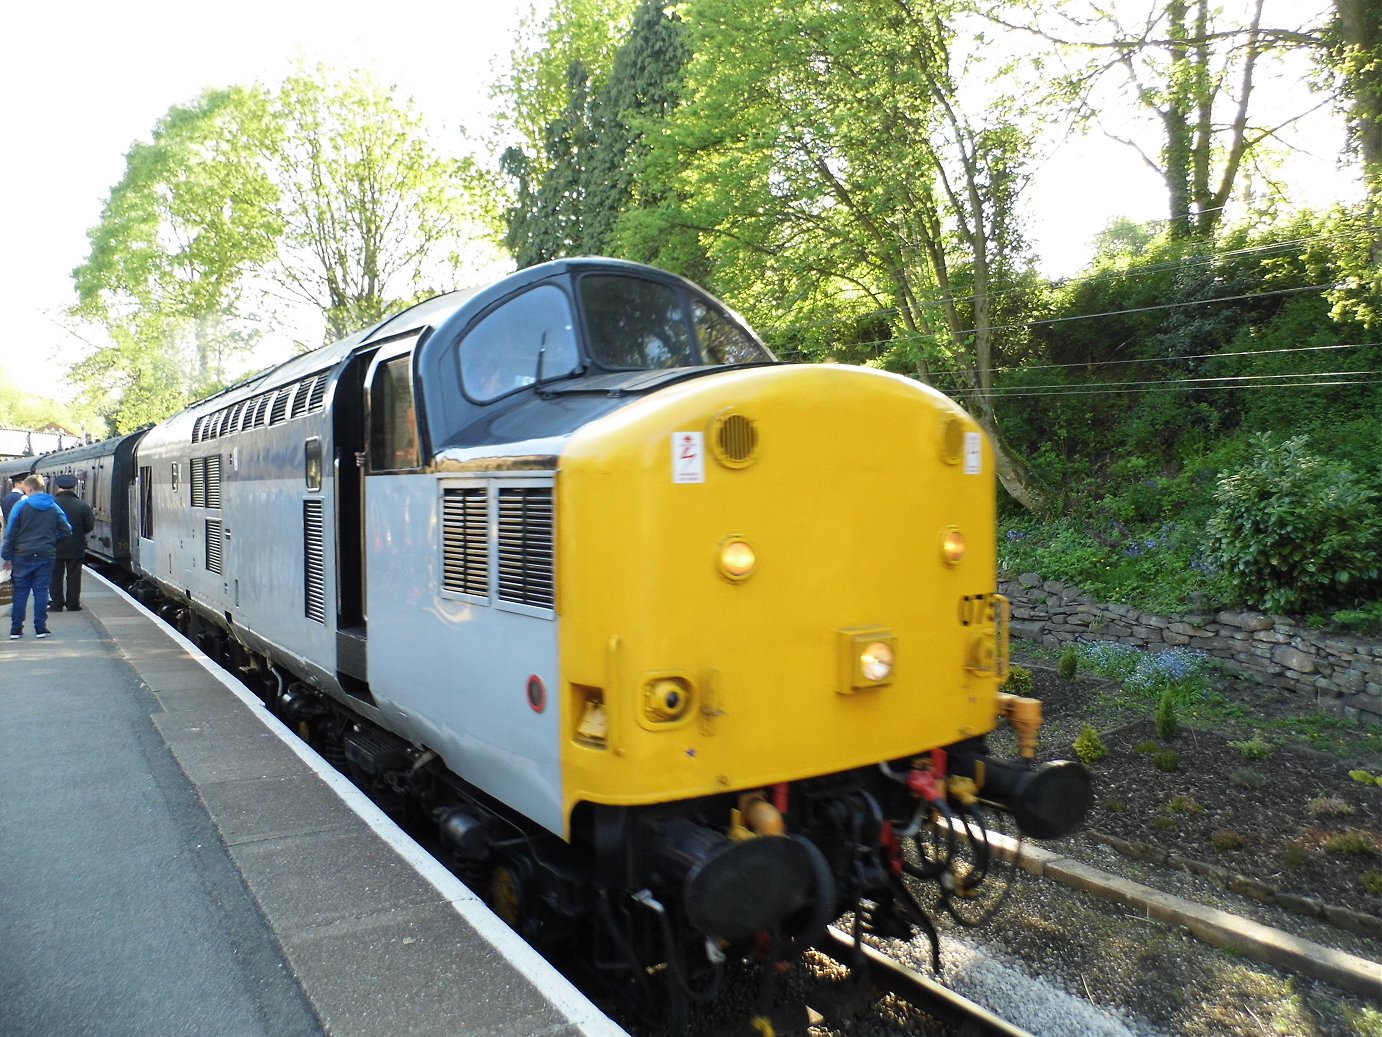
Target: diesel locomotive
column 677, row 649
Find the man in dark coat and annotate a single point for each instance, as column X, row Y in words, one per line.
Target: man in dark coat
column 12, row 498
column 29, row 549
column 67, row 569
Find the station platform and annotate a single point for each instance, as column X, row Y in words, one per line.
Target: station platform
column 174, row 862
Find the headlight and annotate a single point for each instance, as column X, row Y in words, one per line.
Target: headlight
column 737, row 559
column 952, row 546
column 867, row 658
column 876, row 661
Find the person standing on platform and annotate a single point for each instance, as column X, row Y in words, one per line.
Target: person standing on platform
column 12, row 498
column 30, row 549
column 67, row 567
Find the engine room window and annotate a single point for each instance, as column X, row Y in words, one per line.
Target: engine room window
column 525, row 340
column 393, row 419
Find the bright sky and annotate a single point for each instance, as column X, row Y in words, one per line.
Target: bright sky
column 84, row 80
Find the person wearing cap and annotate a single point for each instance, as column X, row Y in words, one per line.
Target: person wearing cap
column 71, row 550
column 30, row 549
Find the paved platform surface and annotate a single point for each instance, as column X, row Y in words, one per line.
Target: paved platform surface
column 170, row 865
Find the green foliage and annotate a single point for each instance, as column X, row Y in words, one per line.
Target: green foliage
column 1372, row 882
column 1247, row 779
column 1330, row 806
column 1184, row 805
column 1295, row 856
column 1364, row 620
column 1069, row 663
column 1166, row 759
column 1350, row 842
column 1365, row 777
column 1018, row 682
column 1166, row 723
column 1158, row 569
column 1294, row 532
column 321, row 192
column 1254, row 748
column 1089, row 747
column 576, row 180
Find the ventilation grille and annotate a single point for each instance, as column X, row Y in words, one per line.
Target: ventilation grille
column 525, row 546
column 206, row 481
column 214, row 550
column 734, row 441
column 271, row 407
column 465, row 541
column 198, row 482
column 213, row 481
column 314, row 561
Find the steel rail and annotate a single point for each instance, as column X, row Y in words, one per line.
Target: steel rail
column 968, row 1018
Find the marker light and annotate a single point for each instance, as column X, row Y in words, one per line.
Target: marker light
column 876, row 661
column 952, row 546
column 737, row 559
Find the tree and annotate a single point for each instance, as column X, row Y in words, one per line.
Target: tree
column 370, row 213
column 1195, row 70
column 248, row 207
column 573, row 189
column 824, row 156
column 178, row 234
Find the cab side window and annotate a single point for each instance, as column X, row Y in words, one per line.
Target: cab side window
column 723, row 341
column 524, row 339
column 393, row 419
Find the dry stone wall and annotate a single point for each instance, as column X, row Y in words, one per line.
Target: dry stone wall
column 1342, row 674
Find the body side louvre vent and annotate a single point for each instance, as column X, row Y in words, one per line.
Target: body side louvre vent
column 465, row 541
column 318, row 398
column 314, row 561
column 213, row 481
column 214, row 551
column 525, row 533
column 198, row 482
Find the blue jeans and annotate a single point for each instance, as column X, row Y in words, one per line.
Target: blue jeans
column 32, row 574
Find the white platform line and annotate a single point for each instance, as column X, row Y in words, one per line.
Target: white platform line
column 555, row 987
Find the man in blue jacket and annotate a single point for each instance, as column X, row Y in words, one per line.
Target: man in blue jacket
column 30, row 549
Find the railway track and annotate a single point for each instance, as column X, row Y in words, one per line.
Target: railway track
column 951, row 1011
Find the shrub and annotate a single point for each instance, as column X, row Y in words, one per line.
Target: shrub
column 1331, row 806
column 1227, row 839
column 1366, row 777
column 1185, row 805
column 1293, row 532
column 1069, row 662
column 1019, row 681
column 1089, row 747
column 1372, row 882
column 1166, row 724
column 1166, row 760
column 1295, row 855
column 1349, row 842
column 1254, row 748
